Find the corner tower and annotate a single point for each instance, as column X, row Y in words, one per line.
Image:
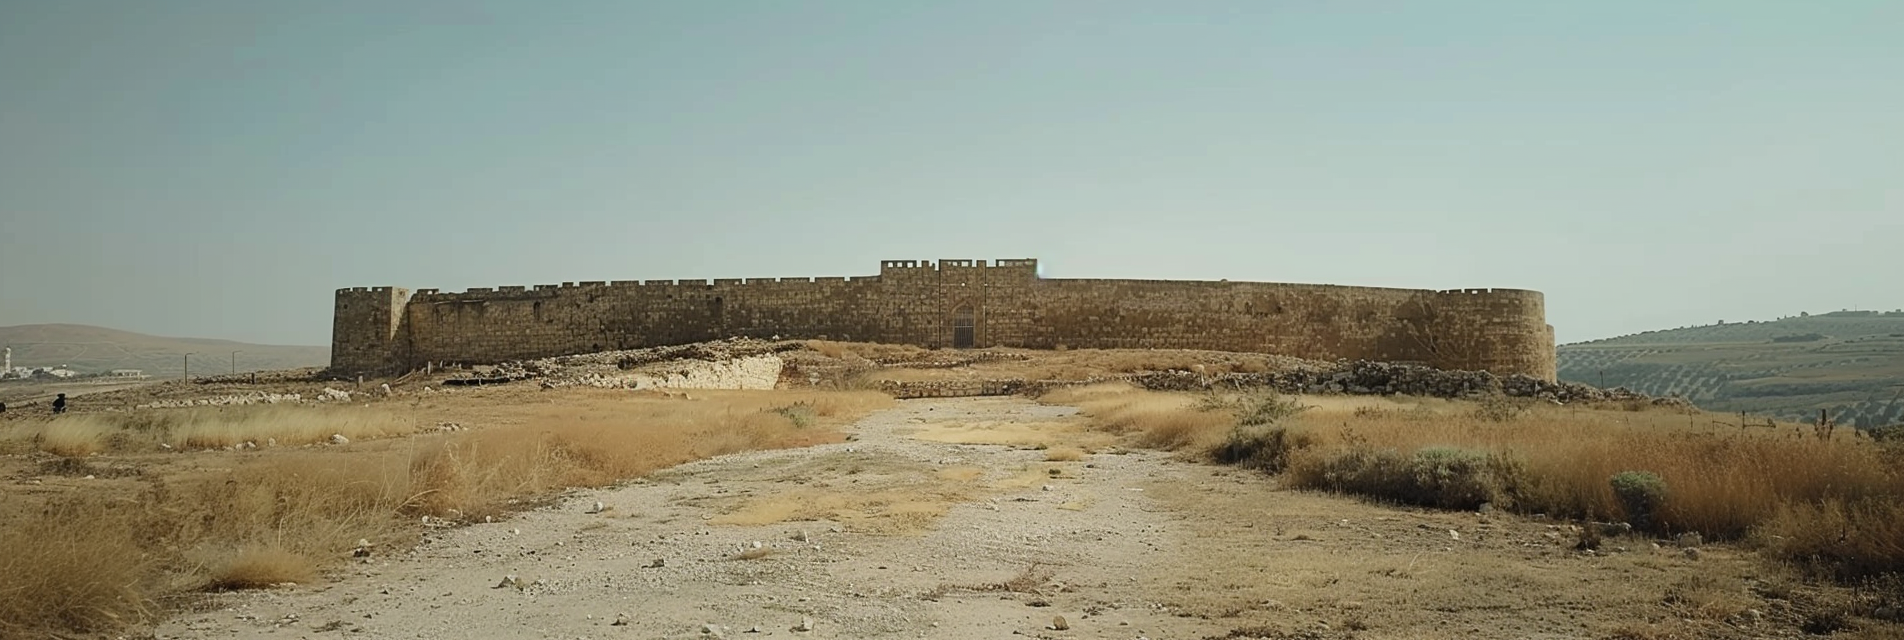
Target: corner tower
column 1504, row 331
column 367, row 330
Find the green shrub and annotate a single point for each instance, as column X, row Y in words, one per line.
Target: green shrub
column 1445, row 477
column 1260, row 447
column 1641, row 494
column 1457, row 478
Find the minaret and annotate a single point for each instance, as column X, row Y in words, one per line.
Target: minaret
column 9, row 365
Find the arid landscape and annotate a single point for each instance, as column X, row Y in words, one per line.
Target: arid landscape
column 561, row 503
column 432, row 320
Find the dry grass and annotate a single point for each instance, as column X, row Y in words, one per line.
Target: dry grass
column 1850, row 539
column 890, row 498
column 1064, row 454
column 261, row 566
column 1156, row 420
column 1069, row 434
column 897, row 509
column 609, row 436
column 867, row 350
column 202, row 428
column 283, row 515
column 1720, row 482
column 75, row 565
column 1708, row 597
column 1836, row 502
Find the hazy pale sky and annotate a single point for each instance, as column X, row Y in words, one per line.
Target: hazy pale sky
column 217, row 169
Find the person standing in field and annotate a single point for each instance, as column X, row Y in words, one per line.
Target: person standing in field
column 59, row 404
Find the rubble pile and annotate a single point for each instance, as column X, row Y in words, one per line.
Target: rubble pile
column 736, row 363
column 255, row 397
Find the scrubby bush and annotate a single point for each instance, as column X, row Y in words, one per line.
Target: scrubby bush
column 1267, row 408
column 1260, row 447
column 1445, row 477
column 801, row 414
column 1251, row 409
column 1641, row 494
column 1456, row 478
column 1892, row 433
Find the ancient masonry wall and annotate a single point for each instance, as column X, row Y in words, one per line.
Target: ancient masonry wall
column 950, row 303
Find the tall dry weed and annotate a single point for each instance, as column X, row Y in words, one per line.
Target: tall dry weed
column 203, row 428
column 613, row 437
column 76, row 565
column 1836, row 503
column 1848, row 539
column 1157, row 420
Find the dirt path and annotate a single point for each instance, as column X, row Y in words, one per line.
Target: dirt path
column 670, row 554
column 893, row 535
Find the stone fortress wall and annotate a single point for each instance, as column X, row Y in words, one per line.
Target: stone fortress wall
column 952, row 304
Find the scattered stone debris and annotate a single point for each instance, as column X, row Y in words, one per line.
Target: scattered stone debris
column 735, row 363
column 255, row 397
column 1357, row 377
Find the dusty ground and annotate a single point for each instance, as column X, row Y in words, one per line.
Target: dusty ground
column 906, row 532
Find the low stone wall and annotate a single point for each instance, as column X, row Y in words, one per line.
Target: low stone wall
column 1346, row 378
column 956, row 388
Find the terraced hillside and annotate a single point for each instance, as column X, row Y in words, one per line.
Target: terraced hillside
column 1850, row 363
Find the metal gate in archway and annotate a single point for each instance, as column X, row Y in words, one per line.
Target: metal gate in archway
column 964, row 328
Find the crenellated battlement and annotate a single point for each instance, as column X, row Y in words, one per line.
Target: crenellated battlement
column 949, row 302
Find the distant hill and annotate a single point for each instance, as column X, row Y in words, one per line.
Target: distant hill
column 89, row 349
column 1848, row 362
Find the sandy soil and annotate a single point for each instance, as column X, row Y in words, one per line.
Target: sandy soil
column 905, row 531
